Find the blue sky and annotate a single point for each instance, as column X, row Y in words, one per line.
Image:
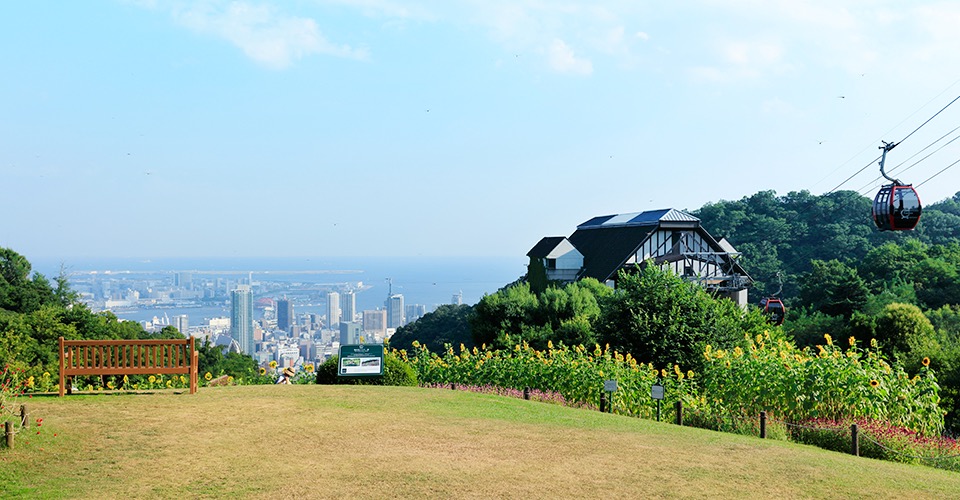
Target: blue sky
column 445, row 128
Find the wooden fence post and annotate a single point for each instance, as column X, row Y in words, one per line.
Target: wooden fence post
column 679, row 406
column 763, row 425
column 603, row 402
column 854, row 440
column 526, row 393
column 24, row 416
column 453, row 386
column 8, row 429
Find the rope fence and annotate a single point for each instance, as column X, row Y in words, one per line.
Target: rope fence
column 744, row 424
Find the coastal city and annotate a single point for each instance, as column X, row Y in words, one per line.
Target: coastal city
column 290, row 319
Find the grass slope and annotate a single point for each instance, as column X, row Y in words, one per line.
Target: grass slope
column 377, row 442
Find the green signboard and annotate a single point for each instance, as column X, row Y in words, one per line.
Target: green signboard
column 361, row 360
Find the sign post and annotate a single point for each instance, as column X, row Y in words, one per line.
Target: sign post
column 656, row 392
column 361, row 360
column 610, row 386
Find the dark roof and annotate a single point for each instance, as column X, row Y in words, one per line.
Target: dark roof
column 545, row 246
column 650, row 217
column 605, row 251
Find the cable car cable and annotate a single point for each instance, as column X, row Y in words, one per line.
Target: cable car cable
column 894, row 144
column 871, row 186
column 938, row 173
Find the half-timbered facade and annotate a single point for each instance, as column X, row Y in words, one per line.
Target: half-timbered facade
column 603, row 246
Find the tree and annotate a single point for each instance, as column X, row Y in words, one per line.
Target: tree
column 902, row 328
column 658, row 317
column 834, row 288
column 448, row 324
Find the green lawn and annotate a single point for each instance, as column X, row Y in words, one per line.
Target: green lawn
column 385, row 442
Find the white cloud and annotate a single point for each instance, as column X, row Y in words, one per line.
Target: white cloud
column 265, row 35
column 563, row 60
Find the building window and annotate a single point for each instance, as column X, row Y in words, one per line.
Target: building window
column 551, row 264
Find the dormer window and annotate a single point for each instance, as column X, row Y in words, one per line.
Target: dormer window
column 551, row 264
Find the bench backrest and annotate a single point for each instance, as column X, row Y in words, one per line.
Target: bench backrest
column 128, row 357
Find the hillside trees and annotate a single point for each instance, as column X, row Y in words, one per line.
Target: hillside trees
column 448, row 324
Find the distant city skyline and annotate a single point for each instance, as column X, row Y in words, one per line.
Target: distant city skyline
column 459, row 128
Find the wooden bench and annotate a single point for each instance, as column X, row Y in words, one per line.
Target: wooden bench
column 127, row 357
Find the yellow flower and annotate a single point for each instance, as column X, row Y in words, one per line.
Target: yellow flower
column 207, row 376
column 309, row 368
column 828, row 338
column 230, row 379
column 798, row 357
column 873, row 342
column 126, row 379
column 737, row 352
column 30, row 381
column 759, row 338
column 183, row 380
column 663, row 373
column 152, row 379
column 874, row 383
column 853, row 341
column 689, row 373
column 169, row 383
column 273, row 364
column 676, row 369
column 549, row 344
column 46, row 374
column 110, row 384
column 926, row 362
column 263, row 371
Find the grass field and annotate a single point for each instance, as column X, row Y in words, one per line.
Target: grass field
column 391, row 442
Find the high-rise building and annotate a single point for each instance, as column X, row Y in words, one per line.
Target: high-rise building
column 284, row 314
column 415, row 312
column 457, row 299
column 375, row 322
column 183, row 280
column 349, row 332
column 395, row 311
column 333, row 310
column 182, row 324
column 241, row 318
column 348, row 306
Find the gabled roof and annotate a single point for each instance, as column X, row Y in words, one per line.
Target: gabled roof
column 648, row 218
column 544, row 247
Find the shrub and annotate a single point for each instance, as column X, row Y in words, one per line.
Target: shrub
column 395, row 372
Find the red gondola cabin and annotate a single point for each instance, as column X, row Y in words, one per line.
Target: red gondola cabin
column 896, row 208
column 773, row 309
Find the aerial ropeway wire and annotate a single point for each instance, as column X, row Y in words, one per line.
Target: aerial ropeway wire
column 888, row 146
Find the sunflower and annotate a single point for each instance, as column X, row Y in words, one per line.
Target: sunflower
column 263, row 371
column 874, row 383
column 207, row 376
column 926, row 361
column 273, row 364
